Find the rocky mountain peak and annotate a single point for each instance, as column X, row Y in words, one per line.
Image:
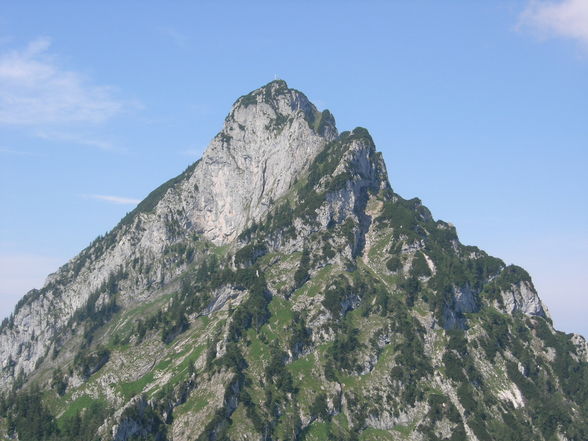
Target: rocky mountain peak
column 269, row 138
column 276, row 100
column 273, row 106
column 280, row 289
column 278, row 95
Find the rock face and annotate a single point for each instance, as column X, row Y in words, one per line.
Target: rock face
column 523, row 298
column 269, row 138
column 279, row 289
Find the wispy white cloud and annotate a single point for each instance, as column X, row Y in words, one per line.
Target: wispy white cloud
column 565, row 18
column 120, row 200
column 71, row 138
column 36, row 90
column 15, row 152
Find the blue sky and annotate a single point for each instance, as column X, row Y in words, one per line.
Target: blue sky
column 480, row 109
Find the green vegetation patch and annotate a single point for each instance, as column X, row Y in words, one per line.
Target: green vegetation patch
column 77, row 405
column 134, row 388
column 194, row 404
column 371, row 434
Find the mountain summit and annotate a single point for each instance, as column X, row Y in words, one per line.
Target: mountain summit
column 270, row 137
column 279, row 289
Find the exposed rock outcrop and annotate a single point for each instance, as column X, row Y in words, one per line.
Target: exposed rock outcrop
column 269, row 138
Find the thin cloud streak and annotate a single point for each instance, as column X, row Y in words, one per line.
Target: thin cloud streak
column 16, row 152
column 35, row 90
column 75, row 139
column 566, row 18
column 119, row 200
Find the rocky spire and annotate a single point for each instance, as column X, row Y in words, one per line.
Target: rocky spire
column 269, row 138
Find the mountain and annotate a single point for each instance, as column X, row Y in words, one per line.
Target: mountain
column 279, row 289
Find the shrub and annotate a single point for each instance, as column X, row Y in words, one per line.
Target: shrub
column 301, row 275
column 420, row 268
column 393, row 264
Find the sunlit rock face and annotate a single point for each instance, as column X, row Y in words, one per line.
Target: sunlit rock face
column 269, row 138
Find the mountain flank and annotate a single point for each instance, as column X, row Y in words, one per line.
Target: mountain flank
column 279, row 289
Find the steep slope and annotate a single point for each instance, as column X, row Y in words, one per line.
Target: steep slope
column 269, row 137
column 279, row 289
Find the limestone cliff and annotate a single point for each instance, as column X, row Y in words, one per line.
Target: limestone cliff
column 269, row 138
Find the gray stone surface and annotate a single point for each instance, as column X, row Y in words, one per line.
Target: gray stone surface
column 268, row 139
